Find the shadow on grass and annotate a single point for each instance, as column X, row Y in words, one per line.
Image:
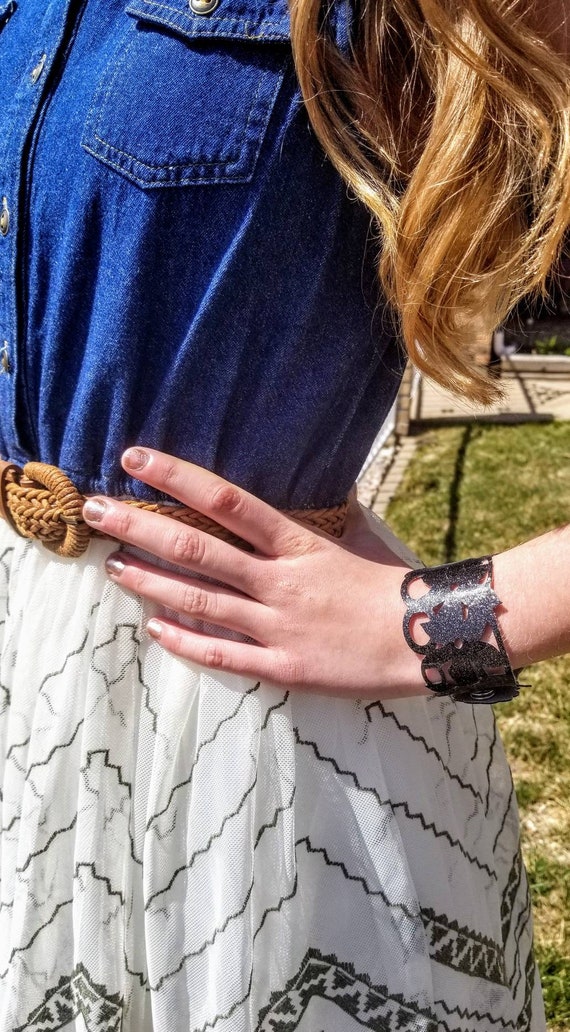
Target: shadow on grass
column 450, row 541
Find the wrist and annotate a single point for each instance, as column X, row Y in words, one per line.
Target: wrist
column 398, row 668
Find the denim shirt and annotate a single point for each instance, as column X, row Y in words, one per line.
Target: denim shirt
column 180, row 265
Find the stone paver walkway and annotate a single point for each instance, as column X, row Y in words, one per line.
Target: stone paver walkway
column 530, row 396
column 527, row 396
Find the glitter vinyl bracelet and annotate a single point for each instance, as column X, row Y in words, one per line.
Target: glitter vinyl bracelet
column 464, row 655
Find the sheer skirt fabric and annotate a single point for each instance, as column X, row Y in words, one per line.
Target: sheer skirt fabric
column 184, row 851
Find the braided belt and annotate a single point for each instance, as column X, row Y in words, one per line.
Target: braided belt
column 39, row 501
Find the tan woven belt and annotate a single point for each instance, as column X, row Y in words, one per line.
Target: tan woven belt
column 39, row 501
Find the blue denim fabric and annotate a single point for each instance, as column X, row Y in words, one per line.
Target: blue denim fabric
column 183, row 268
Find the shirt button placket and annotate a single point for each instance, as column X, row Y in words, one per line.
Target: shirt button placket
column 44, row 26
column 27, row 99
column 5, row 366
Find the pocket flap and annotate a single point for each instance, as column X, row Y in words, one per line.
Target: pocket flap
column 262, row 20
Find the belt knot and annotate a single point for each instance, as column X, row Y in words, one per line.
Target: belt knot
column 39, row 501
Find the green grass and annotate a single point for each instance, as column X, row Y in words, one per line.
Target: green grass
column 474, row 489
column 555, row 977
column 553, row 345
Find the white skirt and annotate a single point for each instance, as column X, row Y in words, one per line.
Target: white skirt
column 184, row 850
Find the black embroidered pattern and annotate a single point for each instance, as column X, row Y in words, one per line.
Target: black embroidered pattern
column 325, row 977
column 449, row 943
column 74, row 996
column 510, row 894
column 462, row 949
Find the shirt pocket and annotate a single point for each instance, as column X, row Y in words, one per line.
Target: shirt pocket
column 186, row 98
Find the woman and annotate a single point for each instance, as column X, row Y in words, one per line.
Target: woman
column 283, row 816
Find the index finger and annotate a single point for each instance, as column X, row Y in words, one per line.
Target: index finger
column 269, row 531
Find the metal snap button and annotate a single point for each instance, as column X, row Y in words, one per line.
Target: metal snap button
column 37, row 71
column 5, row 366
column 203, row 6
column 4, row 217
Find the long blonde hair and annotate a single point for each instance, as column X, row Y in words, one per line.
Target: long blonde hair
column 450, row 120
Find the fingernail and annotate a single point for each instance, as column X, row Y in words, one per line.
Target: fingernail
column 154, row 628
column 135, row 458
column 94, row 510
column 114, row 565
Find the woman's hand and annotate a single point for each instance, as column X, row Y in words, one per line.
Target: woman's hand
column 322, row 615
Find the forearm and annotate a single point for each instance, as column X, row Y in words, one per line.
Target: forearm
column 532, row 580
